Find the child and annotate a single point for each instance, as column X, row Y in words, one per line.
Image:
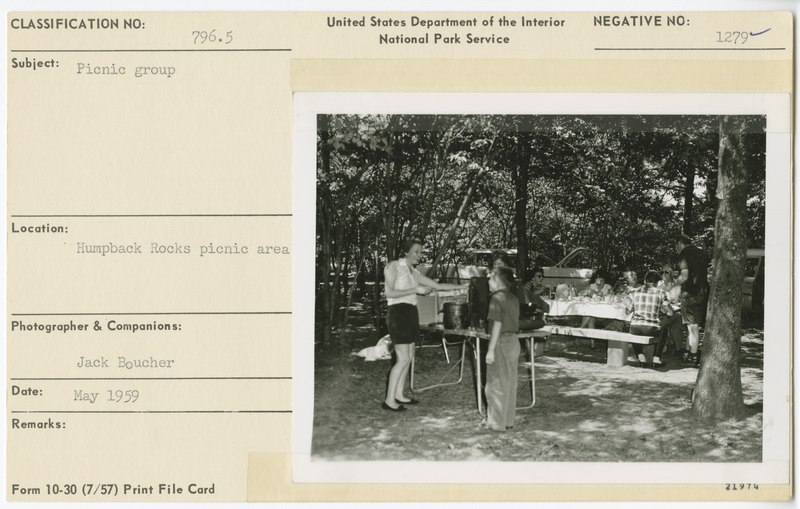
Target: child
column 502, row 355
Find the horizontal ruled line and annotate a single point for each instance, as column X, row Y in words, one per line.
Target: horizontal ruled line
column 161, row 314
column 151, row 411
column 14, row 379
column 149, row 215
column 156, row 50
column 689, row 49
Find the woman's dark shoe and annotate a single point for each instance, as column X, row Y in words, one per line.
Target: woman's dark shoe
column 400, row 408
column 412, row 401
column 659, row 366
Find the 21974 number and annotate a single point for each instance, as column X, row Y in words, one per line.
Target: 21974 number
column 740, row 486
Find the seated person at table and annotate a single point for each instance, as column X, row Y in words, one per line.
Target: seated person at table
column 647, row 304
column 532, row 306
column 631, row 281
column 599, row 287
column 502, row 355
column 531, row 309
column 536, row 285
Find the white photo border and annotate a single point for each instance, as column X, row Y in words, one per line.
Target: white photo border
column 777, row 409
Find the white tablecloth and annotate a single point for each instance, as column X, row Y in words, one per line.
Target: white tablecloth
column 614, row 311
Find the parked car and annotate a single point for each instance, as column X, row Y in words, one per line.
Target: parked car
column 570, row 270
column 753, row 284
column 480, row 260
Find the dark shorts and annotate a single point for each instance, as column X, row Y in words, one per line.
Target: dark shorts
column 645, row 330
column 403, row 322
column 693, row 308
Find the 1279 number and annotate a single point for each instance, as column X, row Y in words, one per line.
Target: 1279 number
column 734, row 37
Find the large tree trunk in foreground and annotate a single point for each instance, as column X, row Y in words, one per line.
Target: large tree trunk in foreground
column 718, row 395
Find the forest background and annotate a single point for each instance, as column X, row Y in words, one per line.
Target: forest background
column 622, row 186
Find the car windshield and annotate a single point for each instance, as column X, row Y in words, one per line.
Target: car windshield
column 576, row 258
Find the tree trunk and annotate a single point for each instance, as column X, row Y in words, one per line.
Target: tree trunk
column 323, row 288
column 389, row 203
column 718, row 395
column 451, row 232
column 349, row 294
column 521, row 215
column 345, row 269
column 361, row 275
column 376, row 289
column 336, row 288
column 430, row 199
column 324, row 219
column 688, row 200
column 711, row 190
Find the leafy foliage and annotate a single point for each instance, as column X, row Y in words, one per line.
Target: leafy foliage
column 623, row 186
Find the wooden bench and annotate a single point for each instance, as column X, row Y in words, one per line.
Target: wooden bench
column 617, row 341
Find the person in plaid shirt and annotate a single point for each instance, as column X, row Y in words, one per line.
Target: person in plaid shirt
column 648, row 303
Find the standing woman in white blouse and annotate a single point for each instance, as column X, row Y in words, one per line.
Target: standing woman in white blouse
column 403, row 282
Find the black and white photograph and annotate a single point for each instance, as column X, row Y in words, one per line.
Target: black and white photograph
column 540, row 288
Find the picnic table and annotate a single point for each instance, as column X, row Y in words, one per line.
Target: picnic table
column 473, row 337
column 616, row 353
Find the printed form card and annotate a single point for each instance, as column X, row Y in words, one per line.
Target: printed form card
column 398, row 256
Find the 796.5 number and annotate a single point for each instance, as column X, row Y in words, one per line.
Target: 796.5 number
column 207, row 36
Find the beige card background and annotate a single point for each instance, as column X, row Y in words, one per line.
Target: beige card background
column 205, row 157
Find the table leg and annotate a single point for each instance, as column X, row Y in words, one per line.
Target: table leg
column 617, row 354
column 477, row 351
column 533, row 378
column 444, row 347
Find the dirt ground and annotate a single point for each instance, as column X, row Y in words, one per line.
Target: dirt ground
column 584, row 411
